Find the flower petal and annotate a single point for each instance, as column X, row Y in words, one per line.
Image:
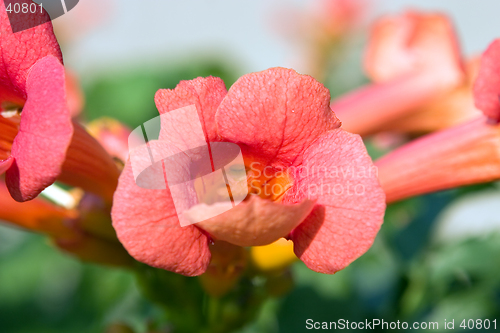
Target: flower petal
column 205, row 93
column 414, row 41
column 275, row 114
column 487, row 86
column 254, row 222
column 45, row 132
column 20, row 51
column 338, row 172
column 5, row 164
column 147, row 225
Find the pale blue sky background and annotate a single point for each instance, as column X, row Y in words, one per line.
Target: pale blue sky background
column 146, row 30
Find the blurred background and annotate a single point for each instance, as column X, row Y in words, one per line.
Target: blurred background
column 247, row 33
column 437, row 256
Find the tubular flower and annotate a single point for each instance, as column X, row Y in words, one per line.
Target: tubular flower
column 309, row 180
column 461, row 155
column 38, row 140
column 450, row 109
column 36, row 215
column 415, row 63
column 64, row 227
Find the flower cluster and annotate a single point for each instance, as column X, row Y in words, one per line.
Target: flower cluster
column 312, row 191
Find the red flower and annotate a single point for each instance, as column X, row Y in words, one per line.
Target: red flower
column 283, row 124
column 461, row 155
column 38, row 140
column 32, row 80
column 415, row 63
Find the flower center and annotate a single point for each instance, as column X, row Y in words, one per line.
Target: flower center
column 264, row 181
column 9, row 126
column 267, row 182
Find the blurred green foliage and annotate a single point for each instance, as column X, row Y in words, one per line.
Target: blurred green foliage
column 129, row 95
column 43, row 290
